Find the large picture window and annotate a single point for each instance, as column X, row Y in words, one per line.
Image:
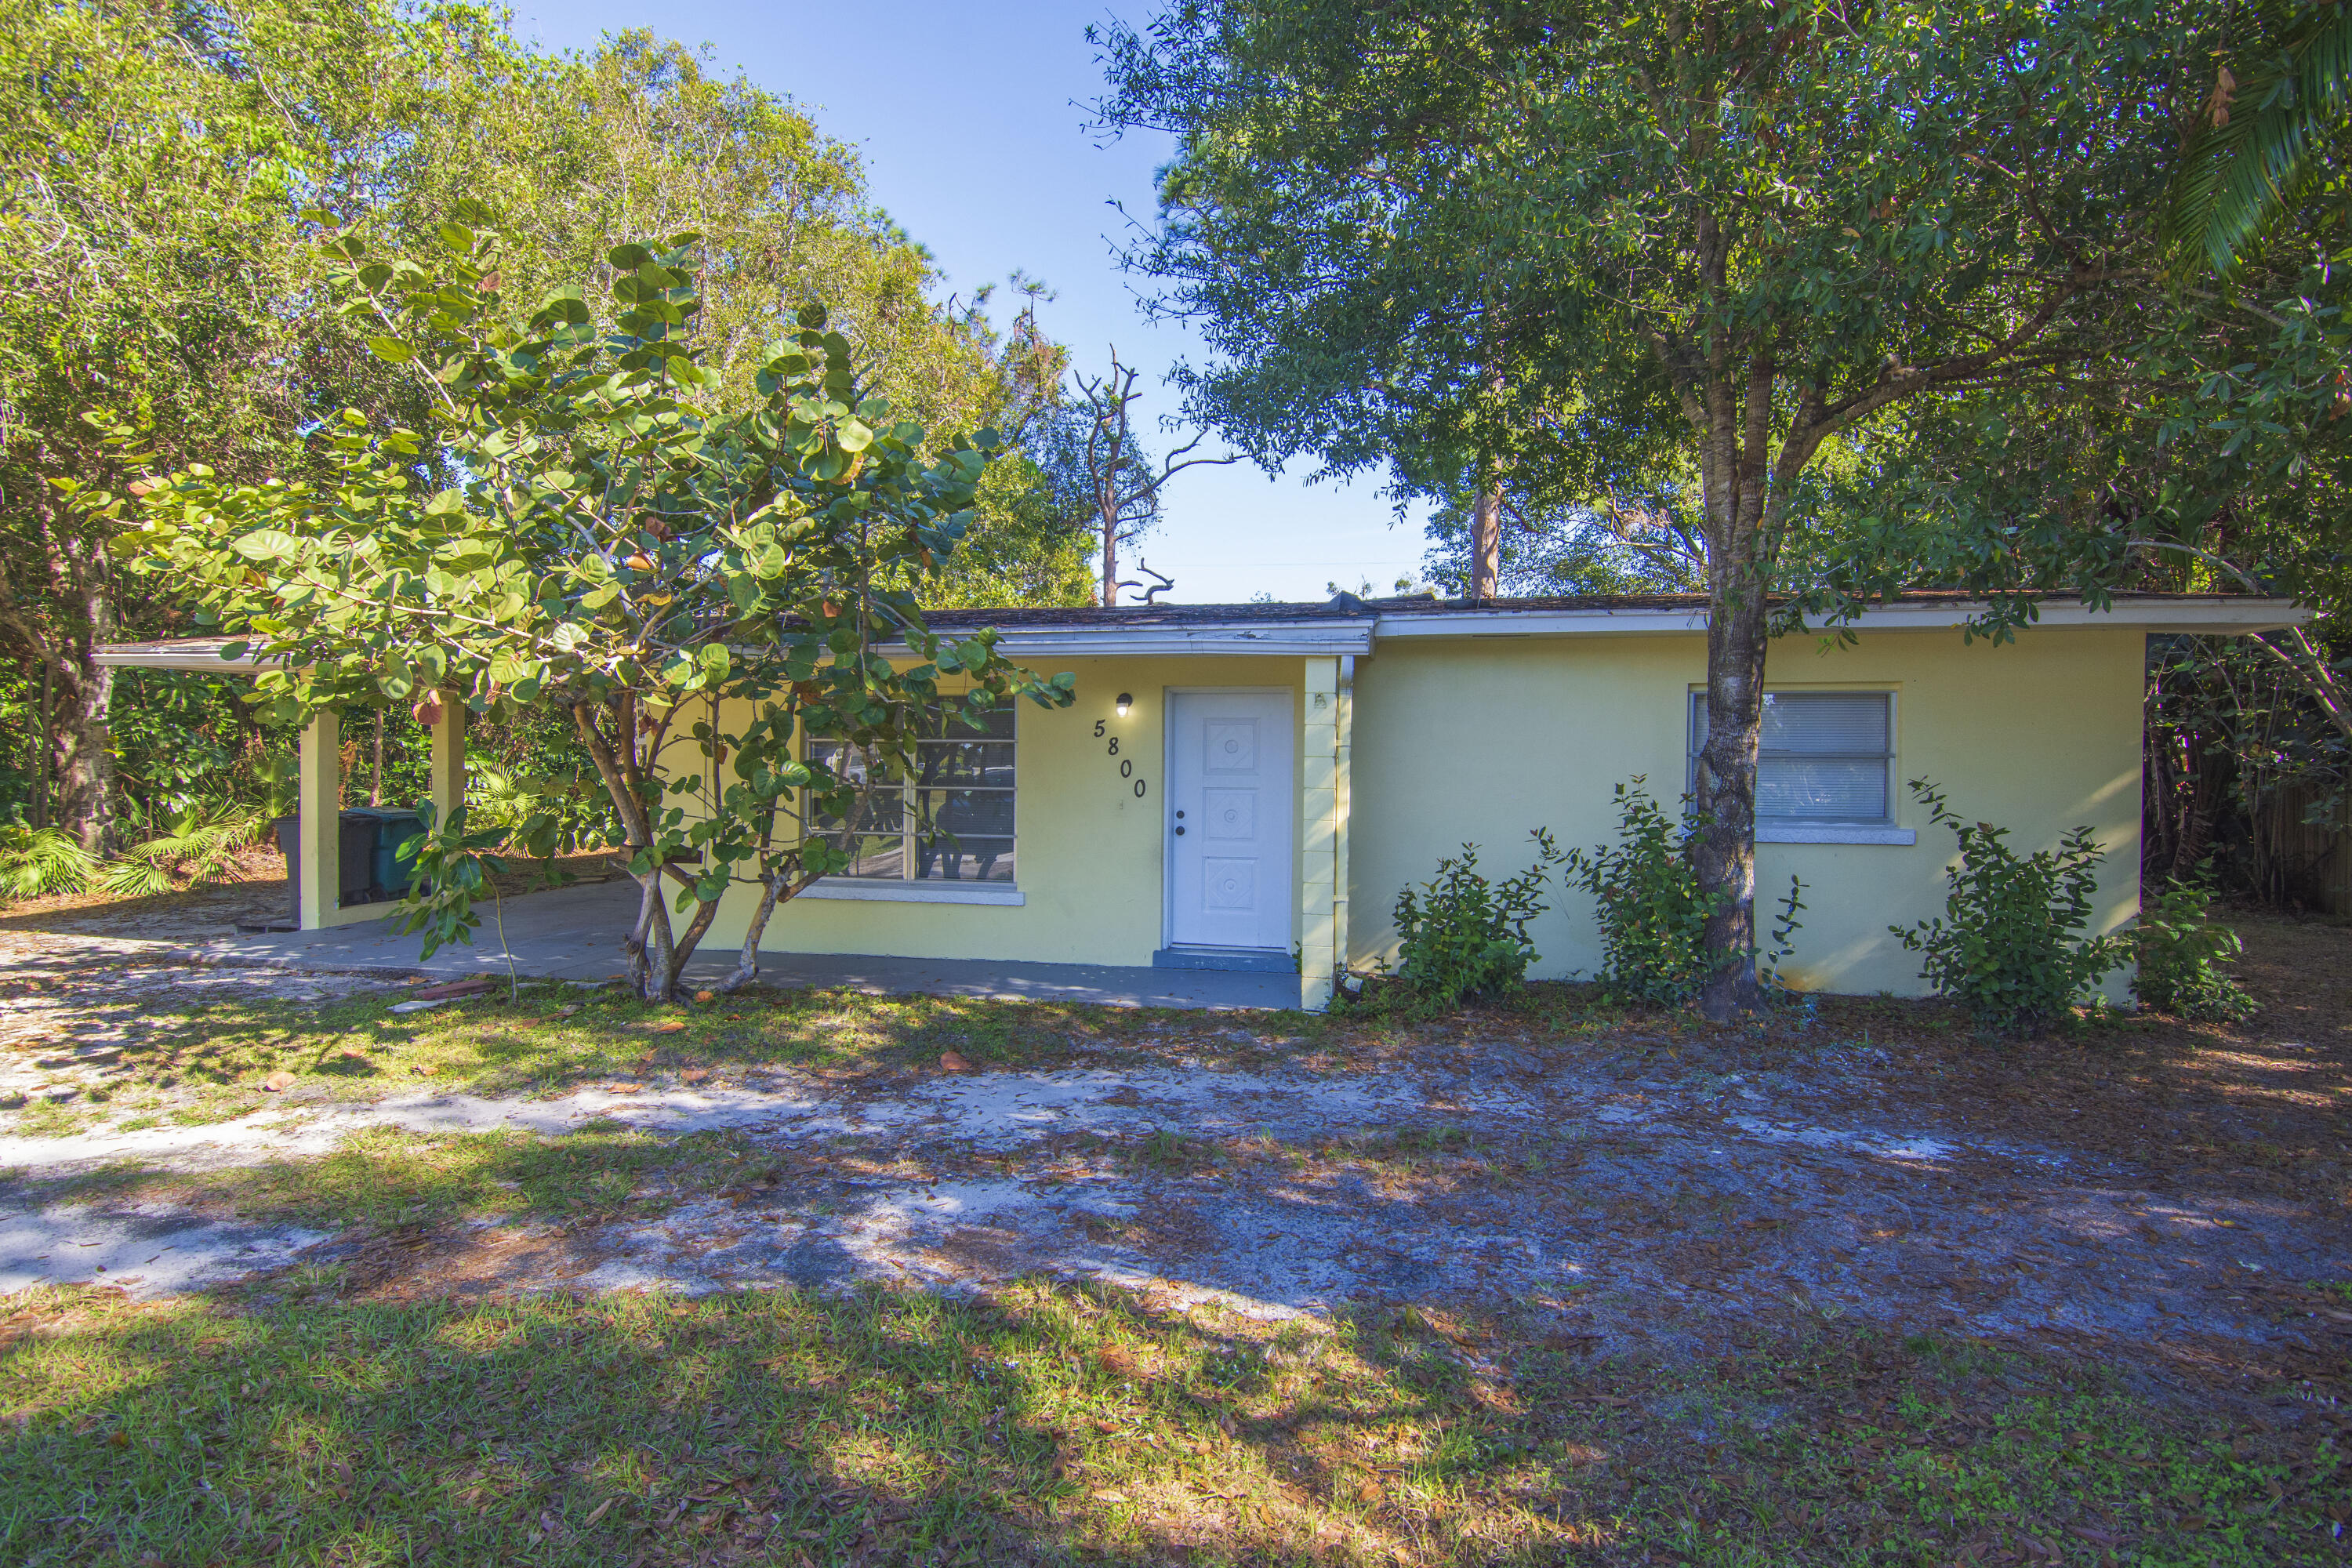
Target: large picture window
column 1827, row 757
column 952, row 821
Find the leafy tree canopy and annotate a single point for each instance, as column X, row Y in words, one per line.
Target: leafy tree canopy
column 1599, row 249
column 697, row 582
column 158, row 161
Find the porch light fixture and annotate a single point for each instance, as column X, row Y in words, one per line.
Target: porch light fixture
column 1125, row 702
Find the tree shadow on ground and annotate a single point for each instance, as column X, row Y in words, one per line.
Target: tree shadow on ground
column 1053, row 1425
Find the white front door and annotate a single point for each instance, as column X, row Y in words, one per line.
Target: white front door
column 1230, row 806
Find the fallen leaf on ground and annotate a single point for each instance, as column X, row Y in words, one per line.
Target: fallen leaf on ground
column 671, row 1027
column 278, row 1082
column 597, row 1513
column 694, row 1075
column 706, row 997
column 953, row 1062
column 425, row 1070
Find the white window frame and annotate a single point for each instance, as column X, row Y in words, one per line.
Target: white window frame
column 908, row 889
column 1816, row 830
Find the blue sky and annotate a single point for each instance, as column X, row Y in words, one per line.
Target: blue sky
column 971, row 121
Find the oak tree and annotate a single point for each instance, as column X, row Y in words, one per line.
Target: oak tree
column 1597, row 247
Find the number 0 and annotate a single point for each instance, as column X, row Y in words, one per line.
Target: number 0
column 1138, row 789
column 1126, row 770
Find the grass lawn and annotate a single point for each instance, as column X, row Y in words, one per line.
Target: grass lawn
column 1056, row 1424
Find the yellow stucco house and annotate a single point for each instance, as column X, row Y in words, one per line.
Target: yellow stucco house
column 1249, row 786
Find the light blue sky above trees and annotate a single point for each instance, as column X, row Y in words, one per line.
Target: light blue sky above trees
column 971, row 119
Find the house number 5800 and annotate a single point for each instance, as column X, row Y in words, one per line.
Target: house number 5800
column 1127, row 765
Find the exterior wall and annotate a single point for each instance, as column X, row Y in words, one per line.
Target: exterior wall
column 1482, row 739
column 1089, row 854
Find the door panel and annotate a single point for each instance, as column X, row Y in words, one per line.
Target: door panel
column 1230, row 801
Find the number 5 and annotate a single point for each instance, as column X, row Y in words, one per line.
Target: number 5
column 1098, row 729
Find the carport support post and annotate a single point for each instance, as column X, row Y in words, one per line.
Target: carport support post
column 1341, row 807
column 320, row 805
column 449, row 757
column 1318, row 812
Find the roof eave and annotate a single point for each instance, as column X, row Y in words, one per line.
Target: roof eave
column 200, row 655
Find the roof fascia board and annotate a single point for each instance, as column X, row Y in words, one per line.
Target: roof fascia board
column 202, row 660
column 1259, row 640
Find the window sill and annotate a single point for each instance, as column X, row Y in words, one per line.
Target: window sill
column 1000, row 893
column 1832, row 832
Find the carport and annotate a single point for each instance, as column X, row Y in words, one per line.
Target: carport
column 320, row 801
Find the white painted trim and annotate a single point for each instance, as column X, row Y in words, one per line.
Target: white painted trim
column 1833, row 832
column 999, row 893
column 1140, row 642
column 204, row 659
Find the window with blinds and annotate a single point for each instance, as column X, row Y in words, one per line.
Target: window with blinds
column 951, row 821
column 1826, row 756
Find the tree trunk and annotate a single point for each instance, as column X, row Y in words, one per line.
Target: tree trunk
column 2208, row 784
column 1110, row 562
column 1723, row 854
column 74, row 762
column 82, row 752
column 1487, row 540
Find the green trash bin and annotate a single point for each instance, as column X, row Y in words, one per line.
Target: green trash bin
column 392, row 873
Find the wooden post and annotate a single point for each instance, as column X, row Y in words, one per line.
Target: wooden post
column 448, row 774
column 1318, row 796
column 1342, row 784
column 319, row 896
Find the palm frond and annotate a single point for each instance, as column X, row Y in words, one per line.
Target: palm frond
column 2260, row 144
column 196, row 852
column 35, row 861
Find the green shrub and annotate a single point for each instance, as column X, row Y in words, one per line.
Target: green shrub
column 2011, row 949
column 1464, row 936
column 35, row 861
column 1653, row 916
column 2181, row 950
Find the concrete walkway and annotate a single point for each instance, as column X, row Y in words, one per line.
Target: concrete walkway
column 574, row 934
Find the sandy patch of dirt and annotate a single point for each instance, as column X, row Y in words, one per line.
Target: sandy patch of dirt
column 2162, row 1195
